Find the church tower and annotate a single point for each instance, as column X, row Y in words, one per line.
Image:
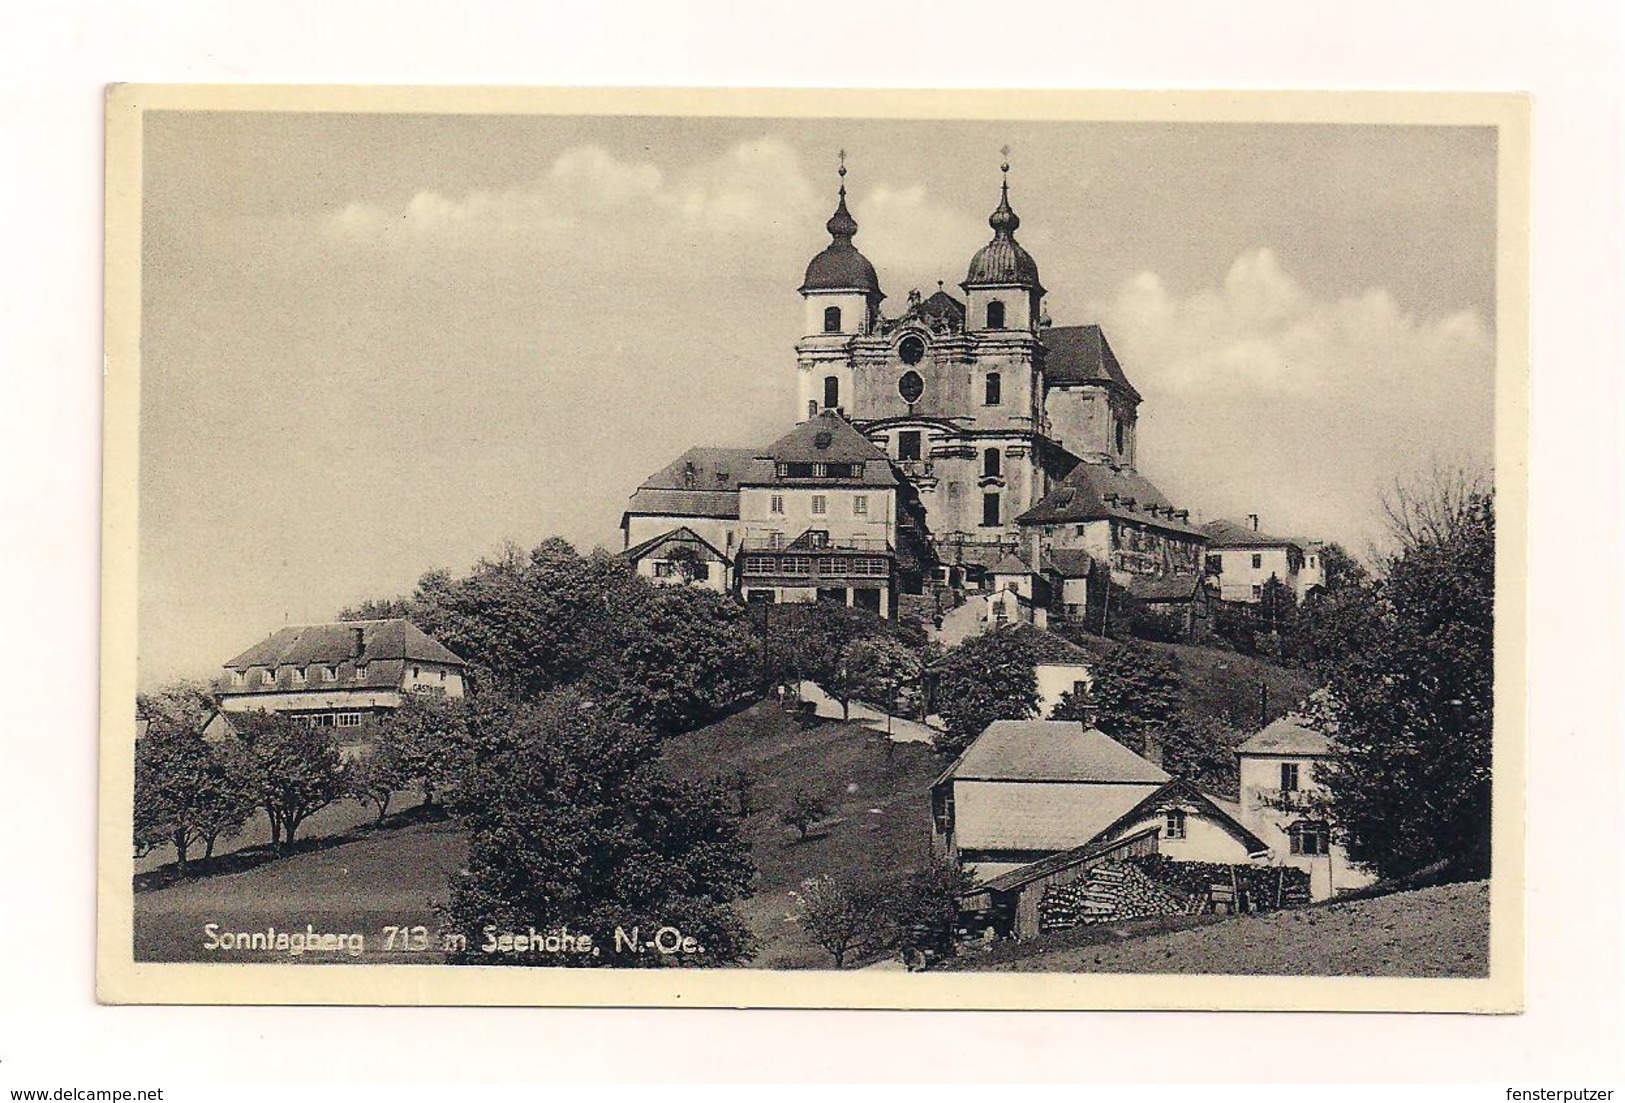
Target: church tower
column 842, row 296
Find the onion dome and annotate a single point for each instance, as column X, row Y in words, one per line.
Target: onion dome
column 1002, row 261
column 840, row 267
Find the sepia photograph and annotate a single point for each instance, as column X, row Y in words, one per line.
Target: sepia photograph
column 814, row 549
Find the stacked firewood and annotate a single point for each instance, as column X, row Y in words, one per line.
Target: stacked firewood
column 1262, row 888
column 1111, row 892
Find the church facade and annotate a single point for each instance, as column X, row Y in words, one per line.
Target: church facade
column 994, row 423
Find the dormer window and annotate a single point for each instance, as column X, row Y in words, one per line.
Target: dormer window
column 330, row 674
column 238, row 678
column 268, row 677
column 360, row 672
column 995, row 315
column 832, row 319
column 298, row 675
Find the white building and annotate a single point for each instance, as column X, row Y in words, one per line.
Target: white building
column 339, row 675
column 1283, row 800
column 1243, row 559
column 1027, row 789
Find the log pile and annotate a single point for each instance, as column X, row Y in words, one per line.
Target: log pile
column 1111, row 892
column 1263, row 888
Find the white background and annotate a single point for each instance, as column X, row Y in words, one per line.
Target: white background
column 54, row 60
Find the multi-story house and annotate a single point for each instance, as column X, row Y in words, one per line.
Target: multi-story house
column 1284, row 803
column 339, row 675
column 1243, row 560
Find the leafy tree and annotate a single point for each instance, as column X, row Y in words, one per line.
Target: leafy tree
column 678, row 657
column 377, row 774
column 1411, row 778
column 884, row 671
column 804, row 641
column 294, row 769
column 388, row 608
column 988, row 677
column 804, row 810
column 924, row 908
column 1135, row 693
column 1202, row 750
column 421, row 741
column 572, row 824
column 1277, row 607
column 186, row 793
column 846, row 919
column 741, row 785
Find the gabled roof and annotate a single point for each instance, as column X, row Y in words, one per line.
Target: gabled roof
column 1288, row 735
column 1080, row 354
column 1010, row 564
column 1172, row 587
column 381, row 641
column 1051, row 750
column 702, row 482
column 682, row 533
column 1229, row 534
column 1099, row 491
column 1068, row 562
column 703, row 469
column 1022, row 875
column 827, row 438
column 1184, row 790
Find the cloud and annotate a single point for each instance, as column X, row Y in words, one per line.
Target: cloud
column 1261, row 396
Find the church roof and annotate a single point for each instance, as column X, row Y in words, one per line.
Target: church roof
column 1229, row 534
column 1099, row 491
column 1080, row 354
column 840, row 267
column 827, row 438
column 1003, row 260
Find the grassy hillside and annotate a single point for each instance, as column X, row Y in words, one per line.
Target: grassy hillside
column 1434, row 932
column 1224, row 684
column 361, row 879
column 880, row 819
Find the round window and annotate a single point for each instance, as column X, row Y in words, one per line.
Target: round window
column 911, row 387
column 912, row 350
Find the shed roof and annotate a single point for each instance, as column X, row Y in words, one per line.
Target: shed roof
column 1172, row 587
column 1291, row 734
column 1051, row 750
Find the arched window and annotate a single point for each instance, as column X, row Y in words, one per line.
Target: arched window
column 832, row 319
column 1119, row 424
column 993, row 388
column 832, row 391
column 995, row 315
column 990, row 463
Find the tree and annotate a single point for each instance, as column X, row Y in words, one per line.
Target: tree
column 804, row 810
column 186, row 793
column 923, row 908
column 378, row 774
column 573, row 825
column 988, row 677
column 294, row 769
column 421, row 741
column 677, row 657
column 803, row 641
column 846, row 919
column 1134, row 694
column 883, row 671
column 1410, row 779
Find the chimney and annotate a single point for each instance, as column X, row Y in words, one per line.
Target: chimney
column 1252, row 519
column 360, row 644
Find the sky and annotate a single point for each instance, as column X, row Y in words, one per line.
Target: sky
column 374, row 345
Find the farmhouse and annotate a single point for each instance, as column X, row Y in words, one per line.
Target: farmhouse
column 1027, row 789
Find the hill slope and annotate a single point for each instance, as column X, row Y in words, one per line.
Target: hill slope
column 1434, row 932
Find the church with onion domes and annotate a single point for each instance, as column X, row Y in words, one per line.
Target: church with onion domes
column 977, row 443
